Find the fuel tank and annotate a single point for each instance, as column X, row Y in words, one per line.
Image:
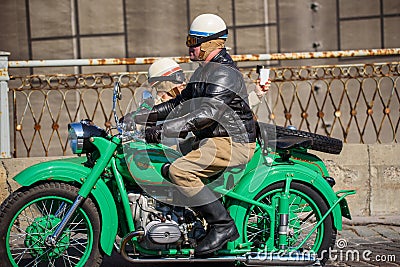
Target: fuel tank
column 141, row 163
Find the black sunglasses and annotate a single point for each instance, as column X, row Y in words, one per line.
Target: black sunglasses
column 176, row 77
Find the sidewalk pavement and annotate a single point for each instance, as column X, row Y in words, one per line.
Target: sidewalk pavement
column 368, row 241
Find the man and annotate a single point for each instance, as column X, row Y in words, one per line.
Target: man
column 165, row 80
column 214, row 107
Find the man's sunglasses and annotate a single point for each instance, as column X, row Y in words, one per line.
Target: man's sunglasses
column 193, row 41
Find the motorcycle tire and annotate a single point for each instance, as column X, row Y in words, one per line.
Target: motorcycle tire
column 306, row 209
column 30, row 214
column 320, row 142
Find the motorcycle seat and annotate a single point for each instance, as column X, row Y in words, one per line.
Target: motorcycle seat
column 291, row 142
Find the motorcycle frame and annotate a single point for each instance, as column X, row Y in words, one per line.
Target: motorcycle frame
column 301, row 167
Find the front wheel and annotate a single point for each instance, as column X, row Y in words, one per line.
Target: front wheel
column 306, row 209
column 30, row 215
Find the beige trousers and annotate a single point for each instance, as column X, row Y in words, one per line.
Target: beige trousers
column 212, row 156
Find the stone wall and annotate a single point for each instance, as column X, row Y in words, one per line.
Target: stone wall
column 10, row 167
column 372, row 170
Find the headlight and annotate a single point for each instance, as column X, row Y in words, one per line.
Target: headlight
column 79, row 134
column 75, row 137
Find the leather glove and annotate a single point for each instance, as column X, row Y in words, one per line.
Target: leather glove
column 153, row 134
column 142, row 117
column 145, row 117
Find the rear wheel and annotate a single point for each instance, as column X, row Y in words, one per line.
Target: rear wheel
column 306, row 209
column 30, row 215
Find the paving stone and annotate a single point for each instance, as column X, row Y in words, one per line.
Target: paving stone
column 347, row 233
column 331, row 264
column 378, row 240
column 358, row 241
column 359, row 263
column 366, row 231
column 388, row 264
column 387, row 232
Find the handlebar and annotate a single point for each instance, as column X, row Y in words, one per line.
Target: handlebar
column 126, row 136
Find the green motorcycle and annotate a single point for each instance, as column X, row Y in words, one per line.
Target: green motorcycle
column 72, row 212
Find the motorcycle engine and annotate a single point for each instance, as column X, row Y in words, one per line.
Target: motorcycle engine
column 165, row 226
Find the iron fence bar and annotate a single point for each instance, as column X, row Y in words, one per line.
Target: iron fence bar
column 238, row 58
column 350, row 102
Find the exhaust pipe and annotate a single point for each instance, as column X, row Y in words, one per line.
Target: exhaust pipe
column 249, row 259
column 125, row 241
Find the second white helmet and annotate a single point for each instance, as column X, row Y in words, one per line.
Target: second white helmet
column 165, row 69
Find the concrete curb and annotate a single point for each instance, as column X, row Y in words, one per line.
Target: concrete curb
column 367, row 220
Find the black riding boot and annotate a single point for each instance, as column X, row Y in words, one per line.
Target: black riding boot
column 221, row 227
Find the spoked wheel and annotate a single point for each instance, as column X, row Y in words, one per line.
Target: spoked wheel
column 30, row 215
column 306, row 208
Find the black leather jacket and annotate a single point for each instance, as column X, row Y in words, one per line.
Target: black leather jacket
column 213, row 104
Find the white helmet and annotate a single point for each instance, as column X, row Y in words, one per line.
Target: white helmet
column 165, row 69
column 206, row 27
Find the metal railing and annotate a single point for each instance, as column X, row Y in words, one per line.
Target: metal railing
column 357, row 103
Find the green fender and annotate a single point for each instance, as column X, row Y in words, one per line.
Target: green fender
column 254, row 182
column 71, row 170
